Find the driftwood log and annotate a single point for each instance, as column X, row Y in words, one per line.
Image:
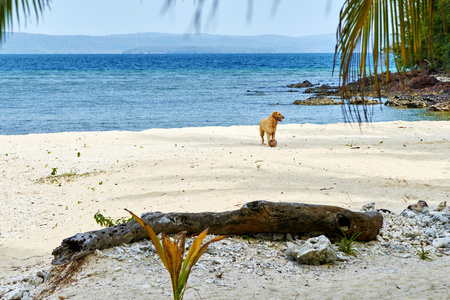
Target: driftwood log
column 254, row 217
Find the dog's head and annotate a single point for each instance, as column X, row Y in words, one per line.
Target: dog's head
column 277, row 115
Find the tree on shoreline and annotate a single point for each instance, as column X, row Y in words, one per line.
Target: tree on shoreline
column 370, row 31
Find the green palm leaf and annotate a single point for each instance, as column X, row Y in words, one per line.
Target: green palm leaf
column 11, row 8
column 171, row 254
column 369, row 29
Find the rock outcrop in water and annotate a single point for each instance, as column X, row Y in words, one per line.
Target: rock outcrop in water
column 322, row 100
column 430, row 102
column 300, row 85
column 409, row 90
column 323, row 90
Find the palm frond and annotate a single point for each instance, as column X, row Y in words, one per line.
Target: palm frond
column 10, row 9
column 370, row 30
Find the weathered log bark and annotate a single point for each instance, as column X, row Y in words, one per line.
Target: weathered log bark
column 253, row 217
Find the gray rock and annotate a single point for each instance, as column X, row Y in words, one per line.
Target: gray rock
column 430, row 232
column 443, row 218
column 43, row 275
column 323, row 90
column 410, row 101
column 27, row 296
column 278, row 236
column 314, row 251
column 441, row 242
column 408, row 214
column 303, row 84
column 15, row 294
column 212, row 250
column 365, row 101
column 368, row 207
column 426, row 220
column 35, row 280
column 289, row 237
column 319, row 100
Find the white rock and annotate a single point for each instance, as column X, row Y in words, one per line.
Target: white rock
column 314, row 251
column 35, row 280
column 443, row 218
column 408, row 214
column 15, row 294
column 441, row 242
column 426, row 220
column 430, row 232
column 98, row 253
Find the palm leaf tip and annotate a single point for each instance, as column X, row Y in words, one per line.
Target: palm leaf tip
column 156, row 242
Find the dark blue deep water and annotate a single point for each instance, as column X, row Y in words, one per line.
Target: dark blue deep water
column 57, row 93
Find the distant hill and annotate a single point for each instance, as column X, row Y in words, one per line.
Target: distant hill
column 148, row 43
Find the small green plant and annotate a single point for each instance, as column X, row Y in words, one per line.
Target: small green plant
column 424, row 254
column 78, row 154
column 108, row 221
column 6, row 154
column 347, row 245
column 171, row 254
column 247, row 237
column 381, row 142
column 100, row 183
column 349, row 145
column 54, row 171
column 48, row 152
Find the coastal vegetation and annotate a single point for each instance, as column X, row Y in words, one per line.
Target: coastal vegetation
column 107, row 221
column 437, row 57
column 171, row 254
column 370, row 31
column 347, row 244
column 423, row 254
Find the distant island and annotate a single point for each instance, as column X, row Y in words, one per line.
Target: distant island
column 162, row 43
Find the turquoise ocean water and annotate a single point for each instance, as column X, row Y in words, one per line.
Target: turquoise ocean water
column 60, row 93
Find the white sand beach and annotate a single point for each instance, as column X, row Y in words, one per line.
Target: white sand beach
column 394, row 164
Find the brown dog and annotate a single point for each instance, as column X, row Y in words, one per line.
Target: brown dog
column 269, row 126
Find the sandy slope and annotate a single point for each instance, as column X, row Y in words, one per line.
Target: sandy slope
column 207, row 169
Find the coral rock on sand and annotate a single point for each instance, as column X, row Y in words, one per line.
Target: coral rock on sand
column 315, row 251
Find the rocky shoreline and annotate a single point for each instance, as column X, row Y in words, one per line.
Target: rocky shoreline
column 429, row 92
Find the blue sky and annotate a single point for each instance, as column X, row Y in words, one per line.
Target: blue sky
column 104, row 17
